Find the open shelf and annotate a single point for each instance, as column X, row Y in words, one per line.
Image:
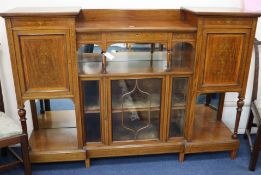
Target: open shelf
column 56, row 140
column 52, row 145
column 210, row 134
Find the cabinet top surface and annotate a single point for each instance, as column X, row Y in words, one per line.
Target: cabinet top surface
column 73, row 11
column 42, row 11
column 221, row 11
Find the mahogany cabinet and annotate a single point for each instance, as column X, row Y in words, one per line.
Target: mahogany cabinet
column 134, row 77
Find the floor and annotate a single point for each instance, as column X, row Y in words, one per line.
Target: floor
column 168, row 164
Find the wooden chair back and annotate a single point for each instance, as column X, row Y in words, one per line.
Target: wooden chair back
column 256, row 73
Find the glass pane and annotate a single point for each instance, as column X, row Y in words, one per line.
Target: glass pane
column 182, row 56
column 89, row 59
column 178, row 101
column 136, row 109
column 179, row 91
column 177, row 123
column 92, row 111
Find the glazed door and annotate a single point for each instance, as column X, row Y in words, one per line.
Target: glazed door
column 136, row 109
column 44, row 63
column 223, row 59
column 178, row 106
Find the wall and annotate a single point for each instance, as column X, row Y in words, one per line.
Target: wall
column 5, row 66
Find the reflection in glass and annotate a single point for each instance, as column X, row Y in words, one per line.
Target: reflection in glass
column 178, row 104
column 179, row 91
column 182, row 55
column 135, row 109
column 92, row 111
column 177, row 123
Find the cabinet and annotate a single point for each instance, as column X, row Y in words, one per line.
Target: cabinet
column 134, row 77
column 51, row 72
column 224, row 54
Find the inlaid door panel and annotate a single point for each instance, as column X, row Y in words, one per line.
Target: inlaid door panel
column 223, row 58
column 44, row 62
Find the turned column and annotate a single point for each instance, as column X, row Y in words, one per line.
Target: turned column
column 22, row 113
column 240, row 104
column 25, row 143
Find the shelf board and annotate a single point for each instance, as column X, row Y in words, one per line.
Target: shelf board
column 210, row 134
column 93, row 105
column 87, row 69
column 51, row 145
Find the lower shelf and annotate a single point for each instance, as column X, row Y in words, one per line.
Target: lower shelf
column 60, row 144
column 53, row 145
column 209, row 134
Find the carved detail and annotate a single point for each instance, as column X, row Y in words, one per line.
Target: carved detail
column 22, row 113
column 240, row 104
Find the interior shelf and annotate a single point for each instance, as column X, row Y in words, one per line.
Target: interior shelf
column 93, row 106
column 131, row 67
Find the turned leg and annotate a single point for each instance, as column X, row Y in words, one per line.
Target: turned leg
column 181, row 157
column 25, row 155
column 88, row 163
column 240, row 104
column 233, row 154
column 255, row 152
column 220, row 106
column 25, row 143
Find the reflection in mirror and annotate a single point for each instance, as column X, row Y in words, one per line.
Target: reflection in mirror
column 182, row 55
column 89, row 58
column 53, row 113
column 137, row 51
column 90, row 52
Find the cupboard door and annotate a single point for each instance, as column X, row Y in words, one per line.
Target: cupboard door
column 44, row 62
column 179, row 93
column 223, row 58
column 92, row 110
column 136, row 109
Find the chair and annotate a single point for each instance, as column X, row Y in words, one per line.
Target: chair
column 12, row 133
column 255, row 112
